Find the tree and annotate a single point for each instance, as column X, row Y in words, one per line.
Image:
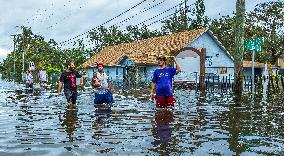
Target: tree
column 269, row 16
column 201, row 21
column 177, row 23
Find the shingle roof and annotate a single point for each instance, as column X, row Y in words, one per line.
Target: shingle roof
column 144, row 51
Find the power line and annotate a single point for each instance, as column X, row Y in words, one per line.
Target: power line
column 92, row 43
column 162, row 19
column 123, row 21
column 61, row 43
column 155, row 17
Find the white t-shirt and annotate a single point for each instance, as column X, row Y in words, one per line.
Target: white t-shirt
column 29, row 78
column 42, row 75
column 103, row 80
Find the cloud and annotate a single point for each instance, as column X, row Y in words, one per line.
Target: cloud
column 65, row 19
column 3, row 53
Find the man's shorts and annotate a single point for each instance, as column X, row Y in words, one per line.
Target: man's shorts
column 71, row 95
column 165, row 101
column 103, row 98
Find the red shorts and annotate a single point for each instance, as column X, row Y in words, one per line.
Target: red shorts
column 165, row 101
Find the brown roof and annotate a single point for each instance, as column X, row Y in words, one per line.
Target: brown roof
column 281, row 63
column 144, row 51
column 248, row 64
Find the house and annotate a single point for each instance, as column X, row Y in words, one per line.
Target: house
column 198, row 52
column 280, row 64
column 260, row 69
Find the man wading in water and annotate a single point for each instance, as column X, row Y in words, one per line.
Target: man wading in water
column 101, row 83
column 162, row 83
column 68, row 78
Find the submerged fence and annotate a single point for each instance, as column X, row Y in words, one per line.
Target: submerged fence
column 274, row 83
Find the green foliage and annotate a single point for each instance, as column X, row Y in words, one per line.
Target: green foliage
column 41, row 52
column 266, row 20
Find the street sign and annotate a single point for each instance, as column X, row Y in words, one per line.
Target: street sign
column 254, row 44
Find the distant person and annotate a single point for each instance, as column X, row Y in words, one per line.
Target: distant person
column 29, row 79
column 68, row 79
column 43, row 77
column 162, row 83
column 100, row 82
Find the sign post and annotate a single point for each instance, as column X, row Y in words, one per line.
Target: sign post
column 254, row 46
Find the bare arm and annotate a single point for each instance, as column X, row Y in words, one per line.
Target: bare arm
column 109, row 85
column 177, row 65
column 59, row 88
column 153, row 89
column 81, row 81
column 94, row 80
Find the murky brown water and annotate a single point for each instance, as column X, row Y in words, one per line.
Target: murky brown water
column 208, row 124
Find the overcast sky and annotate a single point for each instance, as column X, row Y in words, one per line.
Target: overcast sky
column 65, row 19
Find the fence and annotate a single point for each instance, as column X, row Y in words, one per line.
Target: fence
column 274, row 83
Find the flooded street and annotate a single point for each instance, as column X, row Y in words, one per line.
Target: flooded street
column 208, row 124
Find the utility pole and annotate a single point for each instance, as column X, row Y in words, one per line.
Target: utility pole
column 23, row 64
column 185, row 12
column 14, row 52
column 239, row 49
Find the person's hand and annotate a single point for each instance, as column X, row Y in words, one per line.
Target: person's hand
column 151, row 95
column 174, row 58
column 109, row 89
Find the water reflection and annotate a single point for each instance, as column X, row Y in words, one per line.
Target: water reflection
column 70, row 118
column 101, row 114
column 206, row 123
column 162, row 130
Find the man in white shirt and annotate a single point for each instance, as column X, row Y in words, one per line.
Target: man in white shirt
column 43, row 77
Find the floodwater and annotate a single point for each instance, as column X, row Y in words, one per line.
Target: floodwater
column 201, row 124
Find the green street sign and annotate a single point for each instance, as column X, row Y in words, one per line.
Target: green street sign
column 254, row 44
column 257, row 48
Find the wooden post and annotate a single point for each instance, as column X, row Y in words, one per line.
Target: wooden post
column 226, row 82
column 239, row 49
column 282, row 81
column 277, row 82
column 269, row 82
column 208, row 82
column 272, row 84
column 202, row 69
column 213, row 80
column 230, row 81
column 245, row 83
column 251, row 81
column 223, row 81
column 218, row 82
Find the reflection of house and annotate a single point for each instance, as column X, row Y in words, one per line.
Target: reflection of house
column 259, row 68
column 120, row 59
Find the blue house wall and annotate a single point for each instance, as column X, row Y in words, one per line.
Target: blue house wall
column 216, row 58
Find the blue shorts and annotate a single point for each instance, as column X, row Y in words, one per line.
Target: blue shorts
column 103, row 98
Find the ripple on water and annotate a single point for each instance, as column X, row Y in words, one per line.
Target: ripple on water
column 200, row 124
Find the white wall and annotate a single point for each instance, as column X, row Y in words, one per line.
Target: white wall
column 216, row 58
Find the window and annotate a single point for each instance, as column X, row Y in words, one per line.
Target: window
column 223, row 70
